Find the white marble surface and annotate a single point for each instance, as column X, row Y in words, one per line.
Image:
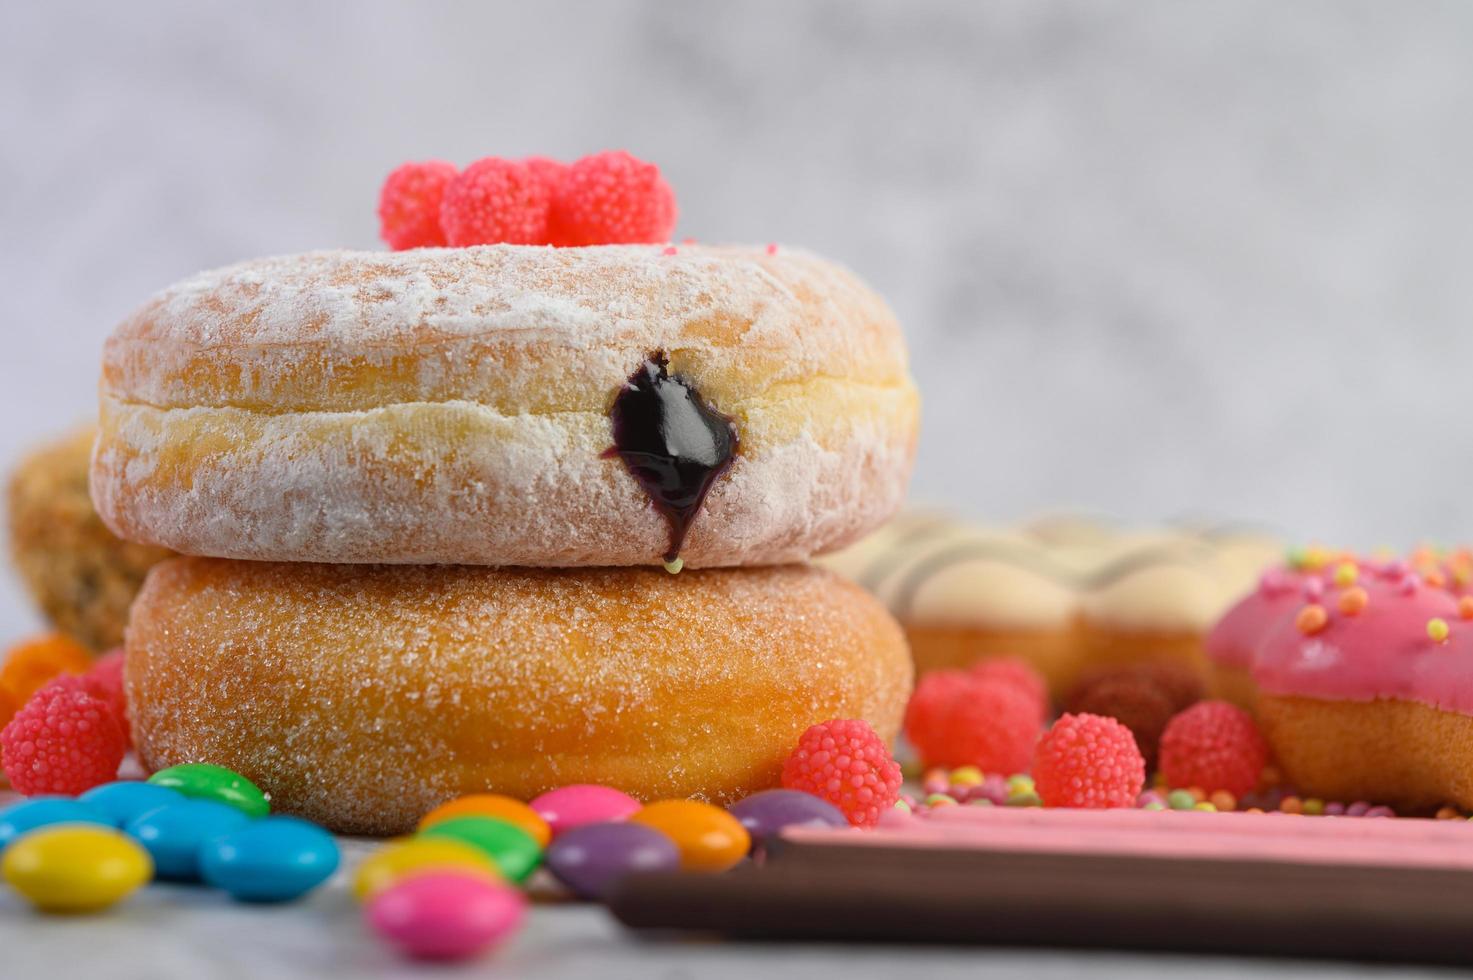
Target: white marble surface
column 174, row 932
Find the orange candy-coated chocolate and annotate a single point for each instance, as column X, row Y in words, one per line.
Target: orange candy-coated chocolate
column 31, row 663
column 494, row 805
column 709, row 838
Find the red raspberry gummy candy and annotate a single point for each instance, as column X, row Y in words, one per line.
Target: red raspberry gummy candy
column 409, row 204
column 496, row 200
column 1016, row 672
column 958, row 719
column 848, row 764
column 63, row 741
column 1088, row 761
column 1213, row 745
column 612, row 198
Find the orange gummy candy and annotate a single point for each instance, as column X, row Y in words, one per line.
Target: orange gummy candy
column 31, row 663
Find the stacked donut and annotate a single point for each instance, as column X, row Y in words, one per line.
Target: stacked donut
column 427, row 496
column 1361, row 674
column 1071, row 596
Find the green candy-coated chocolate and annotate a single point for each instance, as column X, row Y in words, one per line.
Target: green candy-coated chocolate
column 204, row 781
column 514, row 850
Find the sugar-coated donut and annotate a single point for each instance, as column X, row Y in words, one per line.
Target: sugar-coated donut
column 453, row 406
column 362, row 696
column 1365, row 691
column 80, row 575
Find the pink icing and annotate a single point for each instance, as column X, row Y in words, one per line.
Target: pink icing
column 1142, row 833
column 1383, row 651
column 1242, row 628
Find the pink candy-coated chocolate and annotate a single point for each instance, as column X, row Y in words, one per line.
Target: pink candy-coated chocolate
column 574, row 806
column 1242, row 628
column 445, row 915
column 1383, row 651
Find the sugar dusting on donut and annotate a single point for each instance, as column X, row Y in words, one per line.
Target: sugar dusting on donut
column 451, row 406
column 362, row 697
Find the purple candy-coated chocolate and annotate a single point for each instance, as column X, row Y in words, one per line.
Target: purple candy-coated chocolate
column 765, row 813
column 591, row 858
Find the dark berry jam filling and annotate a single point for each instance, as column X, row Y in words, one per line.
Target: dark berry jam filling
column 672, row 442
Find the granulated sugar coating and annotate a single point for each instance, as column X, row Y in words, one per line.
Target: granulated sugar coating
column 451, row 406
column 363, row 696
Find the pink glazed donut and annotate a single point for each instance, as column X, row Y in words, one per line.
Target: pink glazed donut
column 1365, row 691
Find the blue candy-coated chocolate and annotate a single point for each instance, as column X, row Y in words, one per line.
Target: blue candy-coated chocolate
column 174, row 834
column 43, row 811
column 767, row 812
column 590, row 859
column 124, row 800
column 275, row 859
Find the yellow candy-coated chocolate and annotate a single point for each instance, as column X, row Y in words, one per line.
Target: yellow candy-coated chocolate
column 408, row 856
column 494, row 805
column 76, row 868
column 709, row 838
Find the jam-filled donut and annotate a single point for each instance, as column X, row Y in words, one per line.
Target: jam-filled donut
column 1366, row 690
column 508, row 405
column 362, row 696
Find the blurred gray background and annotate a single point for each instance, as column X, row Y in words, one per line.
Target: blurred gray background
column 1154, row 258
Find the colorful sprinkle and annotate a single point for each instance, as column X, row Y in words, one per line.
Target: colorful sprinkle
column 1465, row 607
column 1311, row 619
column 1437, row 630
column 1353, row 600
column 1274, row 583
column 1345, row 574
column 967, row 776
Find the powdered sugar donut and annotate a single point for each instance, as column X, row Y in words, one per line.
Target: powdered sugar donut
column 454, row 406
column 363, row 696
